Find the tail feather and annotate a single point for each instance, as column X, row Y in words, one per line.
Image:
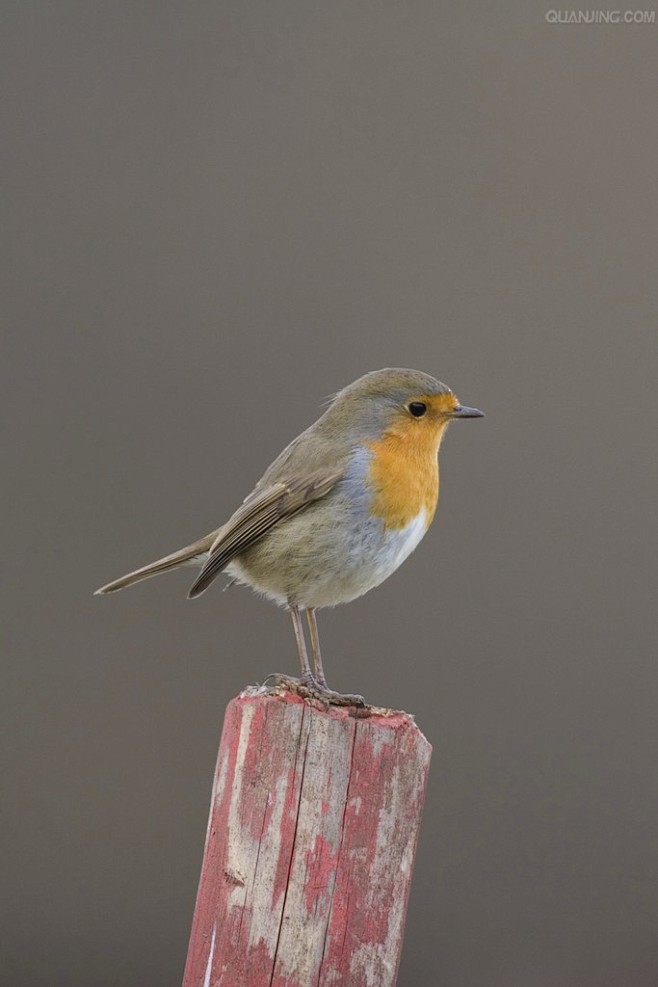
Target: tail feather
column 185, row 556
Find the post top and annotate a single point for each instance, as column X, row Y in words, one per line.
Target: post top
column 393, row 719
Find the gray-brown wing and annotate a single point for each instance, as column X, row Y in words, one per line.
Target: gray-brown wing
column 258, row 514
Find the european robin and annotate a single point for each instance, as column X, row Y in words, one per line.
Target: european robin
column 337, row 512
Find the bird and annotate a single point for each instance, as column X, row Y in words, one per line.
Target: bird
column 335, row 514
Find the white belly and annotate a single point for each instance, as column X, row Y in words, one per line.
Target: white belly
column 373, row 555
column 398, row 545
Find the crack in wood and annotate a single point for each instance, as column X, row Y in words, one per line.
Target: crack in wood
column 294, row 839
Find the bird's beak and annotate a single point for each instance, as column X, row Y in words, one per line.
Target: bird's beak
column 461, row 412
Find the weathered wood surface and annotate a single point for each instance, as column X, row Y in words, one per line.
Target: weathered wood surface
column 310, row 847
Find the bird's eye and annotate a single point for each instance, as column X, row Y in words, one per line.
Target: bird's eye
column 417, row 408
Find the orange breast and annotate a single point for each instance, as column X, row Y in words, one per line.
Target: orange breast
column 404, row 472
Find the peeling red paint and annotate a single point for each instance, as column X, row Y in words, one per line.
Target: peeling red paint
column 321, row 863
column 288, row 824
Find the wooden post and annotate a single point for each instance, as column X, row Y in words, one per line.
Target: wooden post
column 310, row 846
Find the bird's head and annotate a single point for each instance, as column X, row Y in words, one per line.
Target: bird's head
column 407, row 404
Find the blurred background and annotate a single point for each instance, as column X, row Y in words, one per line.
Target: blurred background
column 217, row 214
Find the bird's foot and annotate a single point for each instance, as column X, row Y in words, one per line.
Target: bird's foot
column 332, row 698
column 276, row 680
column 336, row 698
column 308, row 688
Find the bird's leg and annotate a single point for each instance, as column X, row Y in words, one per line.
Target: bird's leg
column 306, row 685
column 315, row 648
column 307, row 675
column 310, row 686
column 338, row 698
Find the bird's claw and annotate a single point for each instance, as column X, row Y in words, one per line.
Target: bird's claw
column 332, row 698
column 310, row 689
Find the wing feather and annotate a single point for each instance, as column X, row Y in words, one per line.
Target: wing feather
column 260, row 512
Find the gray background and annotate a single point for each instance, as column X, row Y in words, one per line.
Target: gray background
column 217, row 214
